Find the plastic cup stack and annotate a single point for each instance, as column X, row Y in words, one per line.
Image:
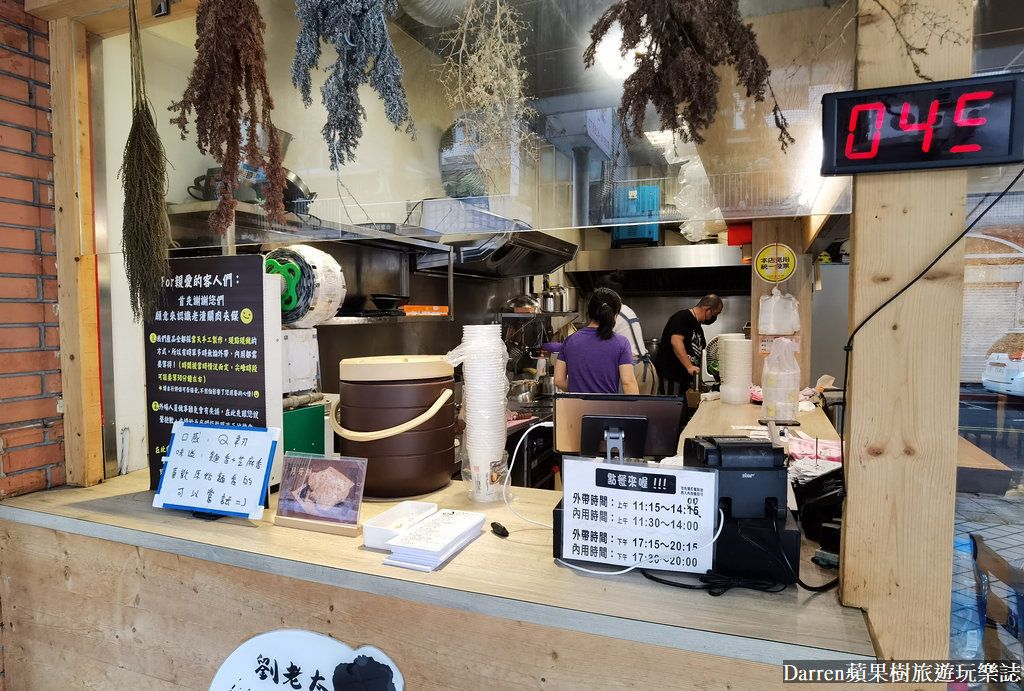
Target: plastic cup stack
column 485, row 388
column 735, row 368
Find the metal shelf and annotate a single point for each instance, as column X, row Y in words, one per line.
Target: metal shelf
column 535, row 315
column 340, row 321
column 190, row 227
column 252, row 226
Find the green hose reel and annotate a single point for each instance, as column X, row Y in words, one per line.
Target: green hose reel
column 291, row 273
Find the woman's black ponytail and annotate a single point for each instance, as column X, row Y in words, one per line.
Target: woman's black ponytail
column 603, row 307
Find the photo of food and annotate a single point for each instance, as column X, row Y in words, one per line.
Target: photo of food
column 323, row 489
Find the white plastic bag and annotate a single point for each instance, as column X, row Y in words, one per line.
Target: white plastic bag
column 779, row 314
column 780, row 381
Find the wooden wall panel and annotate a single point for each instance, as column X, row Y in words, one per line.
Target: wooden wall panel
column 77, row 291
column 82, row 612
column 903, row 384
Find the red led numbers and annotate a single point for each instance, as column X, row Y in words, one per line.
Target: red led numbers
column 928, row 127
column 961, row 121
column 854, row 115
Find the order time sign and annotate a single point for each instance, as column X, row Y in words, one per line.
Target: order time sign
column 963, row 122
column 638, row 515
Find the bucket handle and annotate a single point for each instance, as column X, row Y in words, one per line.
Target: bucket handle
column 390, row 431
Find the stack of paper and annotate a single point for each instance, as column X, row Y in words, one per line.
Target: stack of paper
column 434, row 540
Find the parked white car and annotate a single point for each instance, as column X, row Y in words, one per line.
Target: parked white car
column 1004, row 371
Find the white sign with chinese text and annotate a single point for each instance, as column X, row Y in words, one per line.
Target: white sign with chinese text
column 632, row 514
column 295, row 659
column 220, row 469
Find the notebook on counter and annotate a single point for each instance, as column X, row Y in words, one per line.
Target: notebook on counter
column 434, row 540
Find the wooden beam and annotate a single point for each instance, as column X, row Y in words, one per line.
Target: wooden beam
column 106, row 17
column 115, row 21
column 787, row 232
column 65, row 9
column 77, row 295
column 902, row 390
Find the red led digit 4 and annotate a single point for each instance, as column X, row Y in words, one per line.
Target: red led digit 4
column 961, row 121
column 928, row 127
column 854, row 114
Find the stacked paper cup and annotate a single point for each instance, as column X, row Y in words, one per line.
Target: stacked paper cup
column 735, row 368
column 483, row 357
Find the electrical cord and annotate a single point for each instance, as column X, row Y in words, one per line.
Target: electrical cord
column 717, row 584
column 813, row 588
column 508, row 473
column 849, row 343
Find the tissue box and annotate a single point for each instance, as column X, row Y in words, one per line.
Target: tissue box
column 396, row 520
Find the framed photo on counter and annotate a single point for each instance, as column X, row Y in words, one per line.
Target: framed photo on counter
column 321, row 493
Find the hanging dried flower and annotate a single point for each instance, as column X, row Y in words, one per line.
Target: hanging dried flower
column 484, row 79
column 143, row 173
column 228, row 90
column 358, row 29
column 676, row 46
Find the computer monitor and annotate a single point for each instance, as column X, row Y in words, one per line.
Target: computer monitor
column 664, row 415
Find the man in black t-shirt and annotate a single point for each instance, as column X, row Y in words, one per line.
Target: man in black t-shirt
column 682, row 343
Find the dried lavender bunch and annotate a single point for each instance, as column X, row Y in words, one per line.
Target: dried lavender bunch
column 677, row 44
column 228, row 87
column 358, row 30
column 145, row 233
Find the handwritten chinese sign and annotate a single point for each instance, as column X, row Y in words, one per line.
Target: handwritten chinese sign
column 775, row 262
column 634, row 514
column 206, row 349
column 294, row 659
column 217, row 469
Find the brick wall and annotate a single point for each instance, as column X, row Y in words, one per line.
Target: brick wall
column 31, row 427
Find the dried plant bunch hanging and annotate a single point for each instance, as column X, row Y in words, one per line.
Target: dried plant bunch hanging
column 358, row 30
column 484, row 80
column 228, row 91
column 677, row 44
column 145, row 231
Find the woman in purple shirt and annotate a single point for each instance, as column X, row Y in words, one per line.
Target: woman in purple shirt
column 596, row 359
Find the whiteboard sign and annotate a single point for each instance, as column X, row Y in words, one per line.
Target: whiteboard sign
column 217, row 469
column 628, row 514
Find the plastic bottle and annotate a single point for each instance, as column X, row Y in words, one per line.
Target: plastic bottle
column 969, row 597
column 1016, row 614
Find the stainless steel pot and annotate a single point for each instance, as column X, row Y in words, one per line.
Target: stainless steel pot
column 546, row 385
column 522, row 391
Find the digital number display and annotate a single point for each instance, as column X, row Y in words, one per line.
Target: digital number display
column 964, row 122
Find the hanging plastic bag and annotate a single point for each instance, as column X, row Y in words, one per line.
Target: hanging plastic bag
column 779, row 314
column 780, row 381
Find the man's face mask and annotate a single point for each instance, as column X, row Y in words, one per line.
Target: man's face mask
column 711, row 320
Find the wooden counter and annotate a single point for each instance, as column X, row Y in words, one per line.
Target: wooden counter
column 717, row 418
column 101, row 590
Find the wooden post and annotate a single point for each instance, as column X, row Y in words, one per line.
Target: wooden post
column 789, row 232
column 76, row 254
column 904, row 370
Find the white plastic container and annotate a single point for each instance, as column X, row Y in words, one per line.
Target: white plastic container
column 395, row 521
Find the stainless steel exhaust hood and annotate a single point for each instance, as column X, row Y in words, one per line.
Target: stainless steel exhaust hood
column 503, row 255
column 677, row 270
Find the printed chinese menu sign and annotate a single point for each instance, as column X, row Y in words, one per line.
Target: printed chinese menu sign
column 634, row 514
column 217, row 469
column 206, row 349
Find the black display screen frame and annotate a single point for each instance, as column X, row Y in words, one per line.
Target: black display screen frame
column 1003, row 129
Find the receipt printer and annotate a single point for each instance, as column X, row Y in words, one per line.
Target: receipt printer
column 751, row 474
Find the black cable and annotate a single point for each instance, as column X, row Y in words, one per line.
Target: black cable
column 849, row 343
column 717, row 584
column 782, row 550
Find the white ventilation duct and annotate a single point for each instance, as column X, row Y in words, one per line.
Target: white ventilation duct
column 436, row 13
